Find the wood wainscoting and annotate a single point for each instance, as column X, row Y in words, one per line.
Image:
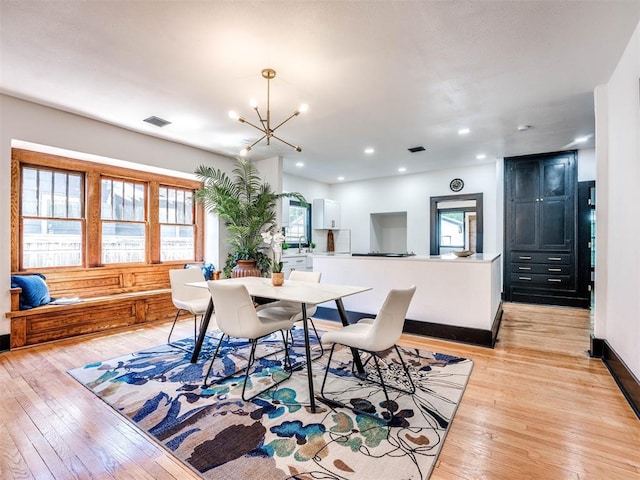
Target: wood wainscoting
column 111, row 297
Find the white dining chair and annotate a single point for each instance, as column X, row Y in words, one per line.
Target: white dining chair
column 374, row 337
column 283, row 309
column 236, row 317
column 186, row 298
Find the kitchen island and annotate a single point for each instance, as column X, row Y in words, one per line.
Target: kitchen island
column 458, row 298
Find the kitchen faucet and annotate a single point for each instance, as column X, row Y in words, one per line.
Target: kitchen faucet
column 302, row 239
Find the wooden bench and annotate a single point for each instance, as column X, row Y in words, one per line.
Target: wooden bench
column 109, row 298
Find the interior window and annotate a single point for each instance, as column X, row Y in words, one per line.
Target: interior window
column 456, row 223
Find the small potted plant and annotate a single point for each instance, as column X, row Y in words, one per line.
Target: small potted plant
column 312, row 245
column 275, row 242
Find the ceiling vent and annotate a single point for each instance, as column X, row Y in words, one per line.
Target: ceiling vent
column 157, row 121
column 417, row 149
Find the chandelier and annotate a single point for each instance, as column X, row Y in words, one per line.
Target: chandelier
column 265, row 123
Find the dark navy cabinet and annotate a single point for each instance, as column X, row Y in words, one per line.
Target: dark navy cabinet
column 540, row 230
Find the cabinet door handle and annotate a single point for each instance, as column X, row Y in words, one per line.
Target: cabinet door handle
column 554, row 269
column 524, row 258
column 524, row 268
column 524, row 278
column 300, row 261
column 555, row 259
column 556, row 280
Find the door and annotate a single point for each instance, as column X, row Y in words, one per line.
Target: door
column 541, row 207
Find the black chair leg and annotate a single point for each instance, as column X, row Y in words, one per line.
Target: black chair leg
column 173, row 325
column 195, row 332
column 251, row 361
column 381, row 382
column 287, row 366
column 215, row 354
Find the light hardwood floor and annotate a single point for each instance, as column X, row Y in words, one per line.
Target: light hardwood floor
column 536, row 407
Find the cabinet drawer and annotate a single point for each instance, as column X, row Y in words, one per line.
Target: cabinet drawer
column 295, row 262
column 538, row 257
column 540, row 268
column 548, row 281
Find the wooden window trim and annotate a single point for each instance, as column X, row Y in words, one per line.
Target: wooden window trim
column 94, row 172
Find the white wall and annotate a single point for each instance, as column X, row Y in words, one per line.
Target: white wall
column 311, row 190
column 586, row 164
column 29, row 122
column 412, row 193
column 618, row 127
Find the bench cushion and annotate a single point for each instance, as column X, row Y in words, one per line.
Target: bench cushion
column 34, row 290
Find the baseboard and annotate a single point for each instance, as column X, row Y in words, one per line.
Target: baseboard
column 597, row 347
column 474, row 336
column 5, row 342
column 626, row 380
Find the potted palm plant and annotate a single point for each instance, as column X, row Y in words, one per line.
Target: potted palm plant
column 246, row 205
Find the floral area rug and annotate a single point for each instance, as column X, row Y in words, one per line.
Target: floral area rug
column 276, row 436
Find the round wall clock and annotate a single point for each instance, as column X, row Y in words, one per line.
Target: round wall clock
column 456, row 185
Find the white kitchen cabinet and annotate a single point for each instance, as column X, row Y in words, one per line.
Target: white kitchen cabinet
column 295, row 262
column 284, row 221
column 326, row 214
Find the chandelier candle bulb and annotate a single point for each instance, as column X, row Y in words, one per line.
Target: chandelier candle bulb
column 265, row 123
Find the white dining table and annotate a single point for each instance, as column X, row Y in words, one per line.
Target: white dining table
column 305, row 293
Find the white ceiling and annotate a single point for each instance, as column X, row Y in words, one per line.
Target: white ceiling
column 381, row 74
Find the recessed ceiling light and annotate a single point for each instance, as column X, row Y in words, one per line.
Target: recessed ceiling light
column 402, row 169
column 481, row 156
column 463, row 131
column 341, row 178
column 581, row 139
column 369, row 150
column 299, row 164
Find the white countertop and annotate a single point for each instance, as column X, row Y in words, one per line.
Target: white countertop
column 475, row 258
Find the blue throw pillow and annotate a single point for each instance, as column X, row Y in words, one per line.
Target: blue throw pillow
column 207, row 269
column 34, row 290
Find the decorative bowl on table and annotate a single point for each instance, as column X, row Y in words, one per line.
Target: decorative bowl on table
column 463, row 253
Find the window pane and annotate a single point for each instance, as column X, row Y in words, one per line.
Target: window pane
column 122, row 200
column 128, row 202
column 51, row 243
column 188, row 207
column 75, row 197
column 59, row 195
column 45, row 184
column 29, row 192
column 452, row 229
column 162, row 202
column 106, row 208
column 180, row 206
column 51, row 194
column 171, row 213
column 176, row 242
column 123, row 242
column 139, row 203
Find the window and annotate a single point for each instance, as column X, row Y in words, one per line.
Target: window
column 52, row 224
column 456, row 223
column 299, row 224
column 454, row 228
column 177, row 229
column 71, row 213
column 123, row 221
